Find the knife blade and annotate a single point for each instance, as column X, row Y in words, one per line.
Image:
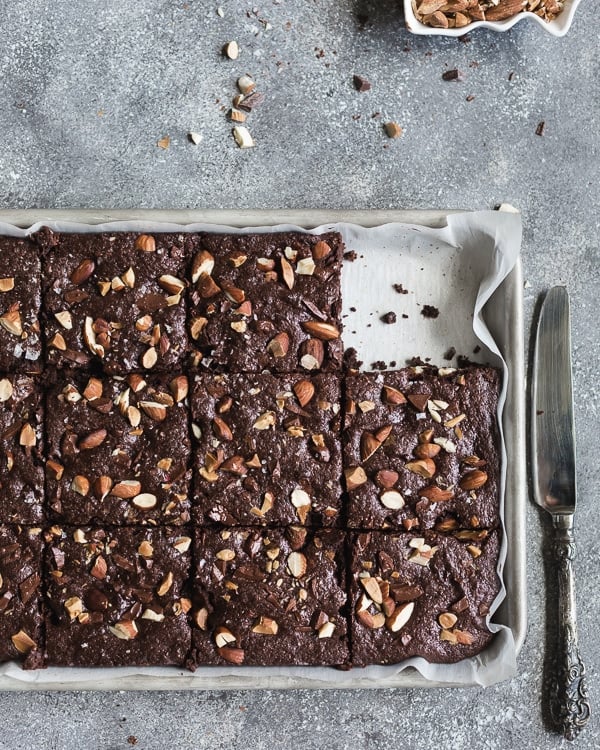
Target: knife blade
column 555, row 489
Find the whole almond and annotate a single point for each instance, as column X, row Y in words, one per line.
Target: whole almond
column 231, row 655
column 473, row 480
column 146, row 243
column 427, row 450
column 320, row 330
column 386, row 478
column 424, row 467
column 304, row 391
column 126, row 489
column 321, row 250
column 83, row 271
column 505, row 9
column 436, row 494
column 179, row 387
column 92, row 440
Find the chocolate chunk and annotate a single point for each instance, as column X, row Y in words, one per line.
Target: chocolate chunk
column 389, row 317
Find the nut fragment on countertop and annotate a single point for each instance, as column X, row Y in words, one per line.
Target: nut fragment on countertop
column 232, row 50
column 242, row 137
column 392, row 129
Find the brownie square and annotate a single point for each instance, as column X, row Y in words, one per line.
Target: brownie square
column 117, row 597
column 20, row 299
column 20, row 598
column 421, row 449
column 21, row 444
column 114, row 300
column 267, row 301
column 269, row 597
column 267, row 449
column 118, row 450
column 421, row 596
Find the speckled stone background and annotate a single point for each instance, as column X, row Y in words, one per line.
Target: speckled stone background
column 88, row 88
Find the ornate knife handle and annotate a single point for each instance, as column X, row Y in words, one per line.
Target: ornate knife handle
column 571, row 709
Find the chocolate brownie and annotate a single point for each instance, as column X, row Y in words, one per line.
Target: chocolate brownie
column 20, row 598
column 267, row 301
column 21, row 443
column 421, row 596
column 20, row 299
column 267, row 449
column 269, row 597
column 117, row 597
column 118, row 450
column 114, row 300
column 421, row 449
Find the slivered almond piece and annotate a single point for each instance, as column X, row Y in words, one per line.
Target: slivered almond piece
column 171, row 284
column 154, row 410
column 145, row 500
column 11, row 322
column 149, row 358
column 126, row 630
column 22, row 642
column 80, row 485
column 165, row 584
column 372, row 588
column 204, row 263
column 288, row 273
column 266, row 420
column 296, row 563
column 355, row 476
column 401, row 615
column 27, row 437
column 65, row 319
column 6, row 390
column 279, row 345
column 265, row 626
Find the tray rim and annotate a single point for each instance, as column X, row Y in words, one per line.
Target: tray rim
column 514, row 607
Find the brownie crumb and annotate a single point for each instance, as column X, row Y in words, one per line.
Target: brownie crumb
column 379, row 365
column 450, row 353
column 361, row 83
column 452, row 75
column 429, row 311
column 477, row 349
column 393, row 363
column 400, row 289
column 416, row 362
column 352, row 309
column 464, row 361
column 350, row 256
column 389, row 317
column 405, row 316
column 351, row 361
column 132, row 739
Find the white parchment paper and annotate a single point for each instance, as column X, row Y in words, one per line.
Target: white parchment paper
column 456, row 268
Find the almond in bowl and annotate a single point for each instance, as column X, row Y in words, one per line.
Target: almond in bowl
column 456, row 17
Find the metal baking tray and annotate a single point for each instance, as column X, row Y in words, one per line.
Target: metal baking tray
column 506, row 306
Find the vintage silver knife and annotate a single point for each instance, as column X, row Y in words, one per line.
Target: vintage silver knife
column 553, row 454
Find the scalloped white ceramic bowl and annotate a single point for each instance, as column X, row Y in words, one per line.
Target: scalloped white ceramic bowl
column 558, row 27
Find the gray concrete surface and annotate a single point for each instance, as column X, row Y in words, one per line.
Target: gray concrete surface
column 86, row 91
